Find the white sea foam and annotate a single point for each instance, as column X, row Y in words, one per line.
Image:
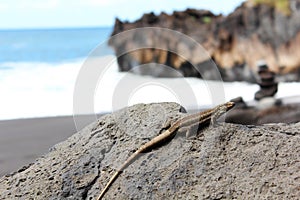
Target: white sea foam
column 37, row 89
column 42, row 89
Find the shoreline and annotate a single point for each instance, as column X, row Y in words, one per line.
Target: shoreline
column 24, row 140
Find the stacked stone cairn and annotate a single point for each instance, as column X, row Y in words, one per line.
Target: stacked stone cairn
column 266, row 81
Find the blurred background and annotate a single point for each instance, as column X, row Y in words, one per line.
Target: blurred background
column 43, row 45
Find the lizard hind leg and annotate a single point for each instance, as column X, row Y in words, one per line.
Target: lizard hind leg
column 195, row 131
column 192, row 131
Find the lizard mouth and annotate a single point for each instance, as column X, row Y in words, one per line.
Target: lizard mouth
column 230, row 105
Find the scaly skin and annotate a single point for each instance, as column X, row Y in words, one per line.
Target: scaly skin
column 186, row 123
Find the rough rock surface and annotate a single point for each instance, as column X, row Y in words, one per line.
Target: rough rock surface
column 236, row 42
column 224, row 162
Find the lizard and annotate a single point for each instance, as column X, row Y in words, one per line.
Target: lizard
column 201, row 120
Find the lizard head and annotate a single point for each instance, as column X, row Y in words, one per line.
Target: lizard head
column 220, row 110
column 223, row 108
column 229, row 105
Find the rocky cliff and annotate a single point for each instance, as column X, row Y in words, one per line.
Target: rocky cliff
column 255, row 31
column 224, row 162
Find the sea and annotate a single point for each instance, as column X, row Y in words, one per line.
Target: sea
column 71, row 71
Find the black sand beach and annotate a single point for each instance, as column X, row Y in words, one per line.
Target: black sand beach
column 24, row 140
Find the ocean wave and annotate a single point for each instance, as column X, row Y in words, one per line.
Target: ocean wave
column 31, row 89
column 37, row 89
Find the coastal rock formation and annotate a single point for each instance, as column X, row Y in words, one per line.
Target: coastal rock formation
column 256, row 30
column 225, row 162
column 272, row 111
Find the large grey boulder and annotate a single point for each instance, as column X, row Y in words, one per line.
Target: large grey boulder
column 224, row 162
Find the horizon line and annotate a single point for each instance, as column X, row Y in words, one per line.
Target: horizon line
column 53, row 28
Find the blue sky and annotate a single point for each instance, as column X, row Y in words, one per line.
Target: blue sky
column 85, row 13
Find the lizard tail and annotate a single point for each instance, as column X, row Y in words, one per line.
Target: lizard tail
column 133, row 156
column 118, row 172
column 112, row 179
